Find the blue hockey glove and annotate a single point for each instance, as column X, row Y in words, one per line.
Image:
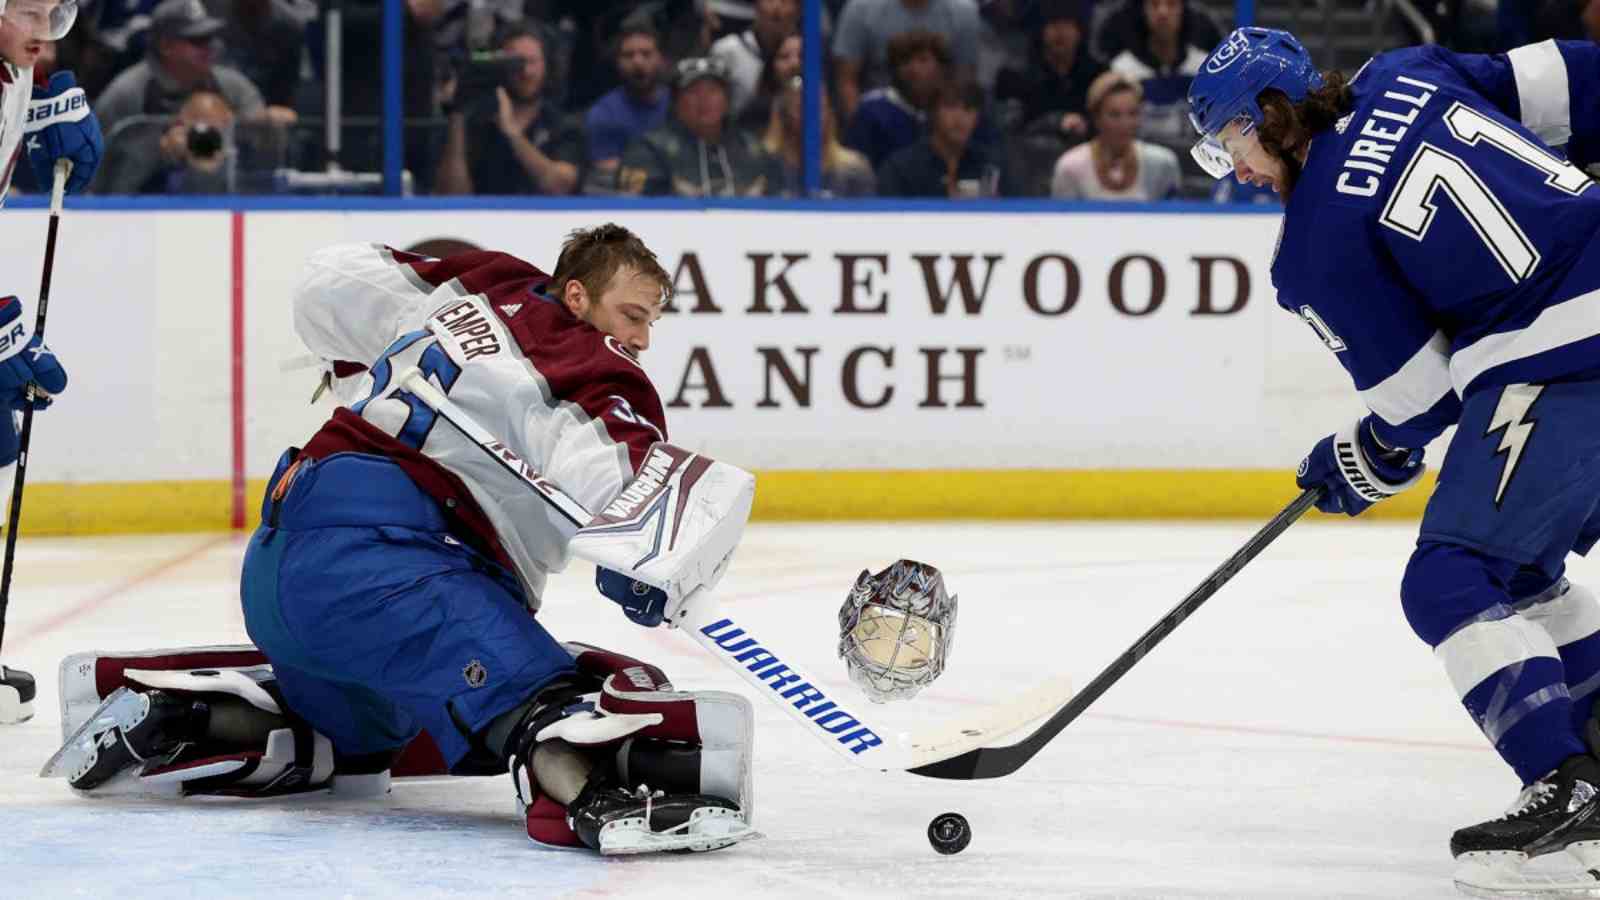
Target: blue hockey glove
column 1355, row 471
column 24, row 360
column 62, row 126
column 641, row 603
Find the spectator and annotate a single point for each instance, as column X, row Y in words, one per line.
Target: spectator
column 1163, row 54
column 1116, row 165
column 1052, row 88
column 948, row 162
column 890, row 118
column 779, row 69
column 845, row 173
column 636, row 106
column 1122, row 28
column 1567, row 20
column 264, row 40
column 511, row 140
column 179, row 63
column 861, row 41
column 747, row 53
column 1005, row 29
column 696, row 153
column 198, row 151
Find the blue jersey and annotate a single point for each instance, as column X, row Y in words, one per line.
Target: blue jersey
column 1438, row 244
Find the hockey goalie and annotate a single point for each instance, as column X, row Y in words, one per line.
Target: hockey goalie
column 391, row 588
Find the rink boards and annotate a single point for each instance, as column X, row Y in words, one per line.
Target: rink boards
column 878, row 363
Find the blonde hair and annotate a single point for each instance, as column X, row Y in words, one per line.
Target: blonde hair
column 1104, row 85
column 775, row 140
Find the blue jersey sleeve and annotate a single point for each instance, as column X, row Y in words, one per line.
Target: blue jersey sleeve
column 1552, row 88
column 1353, row 297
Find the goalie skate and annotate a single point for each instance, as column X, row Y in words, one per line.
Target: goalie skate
column 618, row 822
column 130, row 729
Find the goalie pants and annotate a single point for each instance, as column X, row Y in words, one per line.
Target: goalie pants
column 377, row 621
column 1518, row 490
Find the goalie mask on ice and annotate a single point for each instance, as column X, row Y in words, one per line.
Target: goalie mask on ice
column 895, row 630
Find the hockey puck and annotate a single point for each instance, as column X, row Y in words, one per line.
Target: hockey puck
column 949, row 833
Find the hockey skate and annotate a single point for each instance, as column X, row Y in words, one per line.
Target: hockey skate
column 1560, row 811
column 17, row 691
column 130, row 729
column 617, row 821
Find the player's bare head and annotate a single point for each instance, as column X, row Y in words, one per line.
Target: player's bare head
column 610, row 279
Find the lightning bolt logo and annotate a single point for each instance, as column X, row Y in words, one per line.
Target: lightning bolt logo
column 1511, row 414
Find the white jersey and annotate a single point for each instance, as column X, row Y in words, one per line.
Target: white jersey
column 16, row 89
column 566, row 398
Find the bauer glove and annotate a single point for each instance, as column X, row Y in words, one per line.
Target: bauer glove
column 1355, row 471
column 62, row 126
column 25, row 360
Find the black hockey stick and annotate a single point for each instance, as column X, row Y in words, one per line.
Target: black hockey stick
column 993, row 762
column 57, row 190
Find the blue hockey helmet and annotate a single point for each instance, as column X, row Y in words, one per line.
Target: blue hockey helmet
column 1247, row 62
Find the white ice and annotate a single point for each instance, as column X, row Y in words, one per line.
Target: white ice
column 1292, row 739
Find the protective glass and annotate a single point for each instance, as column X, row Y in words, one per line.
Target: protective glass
column 1215, row 153
column 41, row 20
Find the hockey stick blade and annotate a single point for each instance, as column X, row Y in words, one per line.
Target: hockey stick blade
column 996, row 762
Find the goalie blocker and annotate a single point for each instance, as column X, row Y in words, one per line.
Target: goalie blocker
column 209, row 720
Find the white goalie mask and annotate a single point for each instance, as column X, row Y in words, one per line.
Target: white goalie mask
column 895, row 630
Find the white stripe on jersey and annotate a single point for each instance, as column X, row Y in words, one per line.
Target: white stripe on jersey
column 1541, row 75
column 1484, row 648
column 1416, row 386
column 1564, row 323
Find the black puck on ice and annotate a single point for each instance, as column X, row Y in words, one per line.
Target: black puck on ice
column 949, row 833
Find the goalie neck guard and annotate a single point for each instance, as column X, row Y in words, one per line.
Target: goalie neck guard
column 895, row 630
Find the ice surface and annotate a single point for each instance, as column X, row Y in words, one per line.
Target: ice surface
column 1293, row 739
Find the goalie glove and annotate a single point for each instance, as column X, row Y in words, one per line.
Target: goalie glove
column 1355, row 470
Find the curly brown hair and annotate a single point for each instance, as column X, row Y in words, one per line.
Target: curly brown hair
column 1287, row 128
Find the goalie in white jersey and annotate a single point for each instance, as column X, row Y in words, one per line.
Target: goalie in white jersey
column 393, row 581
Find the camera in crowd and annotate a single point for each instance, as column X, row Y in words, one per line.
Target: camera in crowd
column 203, row 140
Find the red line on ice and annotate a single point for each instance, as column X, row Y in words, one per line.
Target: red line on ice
column 89, row 604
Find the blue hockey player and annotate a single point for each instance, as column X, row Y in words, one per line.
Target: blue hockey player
column 1449, row 256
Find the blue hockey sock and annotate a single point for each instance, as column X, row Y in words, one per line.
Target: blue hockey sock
column 1510, row 677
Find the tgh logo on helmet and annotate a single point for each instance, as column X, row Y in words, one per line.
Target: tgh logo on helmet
column 1230, row 51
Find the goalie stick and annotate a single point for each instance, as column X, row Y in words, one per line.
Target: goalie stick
column 843, row 726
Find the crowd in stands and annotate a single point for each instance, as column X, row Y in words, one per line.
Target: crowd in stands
column 1076, row 99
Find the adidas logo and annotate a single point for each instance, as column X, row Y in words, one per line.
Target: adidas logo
column 510, row 309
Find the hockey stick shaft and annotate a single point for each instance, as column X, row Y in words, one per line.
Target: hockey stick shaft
column 14, row 517
column 994, row 762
